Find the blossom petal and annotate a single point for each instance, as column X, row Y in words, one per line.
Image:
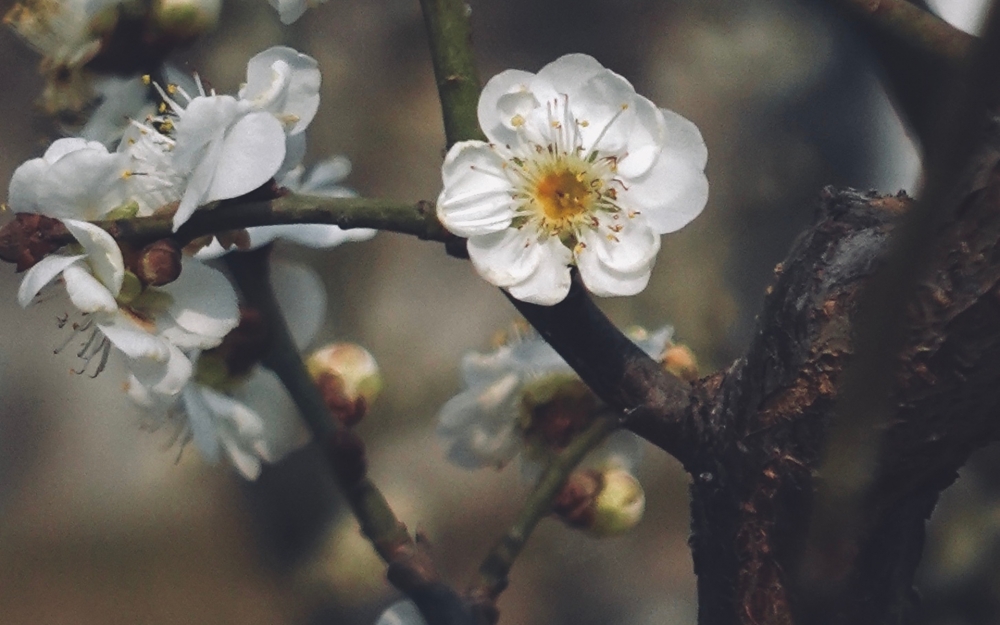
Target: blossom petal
column 494, row 121
column 41, row 274
column 162, row 378
column 684, row 138
column 28, row 179
column 476, row 198
column 317, row 236
column 604, row 110
column 301, row 297
column 325, row 177
column 286, row 83
column 75, row 179
column 479, row 427
column 505, row 258
column 245, row 461
column 203, row 301
column 135, row 341
column 103, row 254
column 87, row 292
column 645, row 140
column 672, row 193
column 201, row 420
column 568, row 72
column 250, row 155
column 283, row 430
column 532, row 271
column 618, row 263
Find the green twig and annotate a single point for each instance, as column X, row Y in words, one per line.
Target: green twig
column 494, row 569
column 450, row 37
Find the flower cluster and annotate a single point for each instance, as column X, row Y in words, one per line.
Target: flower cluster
column 579, row 170
column 522, row 399
column 176, row 319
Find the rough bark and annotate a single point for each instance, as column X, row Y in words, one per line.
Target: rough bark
column 763, row 421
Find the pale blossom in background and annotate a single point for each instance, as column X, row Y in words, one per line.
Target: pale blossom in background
column 579, row 170
column 487, row 424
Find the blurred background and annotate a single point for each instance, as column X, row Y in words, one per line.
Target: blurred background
column 104, row 522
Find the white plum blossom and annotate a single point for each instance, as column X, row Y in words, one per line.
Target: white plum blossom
column 150, row 325
column 227, row 146
column 245, row 415
column 285, row 83
column 493, row 419
column 322, row 180
column 579, row 170
column 74, row 179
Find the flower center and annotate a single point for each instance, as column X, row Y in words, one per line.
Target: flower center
column 562, row 195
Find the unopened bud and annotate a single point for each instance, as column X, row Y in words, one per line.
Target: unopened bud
column 602, row 503
column 159, row 263
column 349, row 379
column 186, row 19
column 680, row 361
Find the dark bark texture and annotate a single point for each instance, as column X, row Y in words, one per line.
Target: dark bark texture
column 763, row 421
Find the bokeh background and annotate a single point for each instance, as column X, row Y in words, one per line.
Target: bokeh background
column 104, row 522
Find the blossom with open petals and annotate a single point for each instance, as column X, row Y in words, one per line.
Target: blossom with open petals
column 523, row 399
column 227, row 146
column 74, row 179
column 150, row 325
column 579, row 170
column 232, row 407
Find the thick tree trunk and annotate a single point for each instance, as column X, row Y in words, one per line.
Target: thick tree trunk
column 762, row 423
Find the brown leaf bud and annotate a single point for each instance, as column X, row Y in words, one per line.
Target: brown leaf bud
column 29, row 238
column 159, row 263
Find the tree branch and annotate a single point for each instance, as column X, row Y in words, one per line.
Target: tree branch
column 411, row 568
column 419, row 219
column 866, row 407
column 652, row 401
column 450, row 37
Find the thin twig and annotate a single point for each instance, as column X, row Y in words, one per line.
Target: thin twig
column 410, row 566
column 494, row 569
